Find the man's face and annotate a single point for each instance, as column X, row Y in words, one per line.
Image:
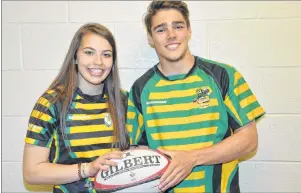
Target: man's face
column 170, row 35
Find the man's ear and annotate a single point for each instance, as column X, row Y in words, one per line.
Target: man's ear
column 150, row 40
column 189, row 32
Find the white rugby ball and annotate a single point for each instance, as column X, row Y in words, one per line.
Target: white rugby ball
column 139, row 171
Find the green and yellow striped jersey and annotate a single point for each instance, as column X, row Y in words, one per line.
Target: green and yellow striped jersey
column 193, row 111
column 89, row 132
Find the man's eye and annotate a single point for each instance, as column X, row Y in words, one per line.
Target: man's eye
column 179, row 27
column 160, row 30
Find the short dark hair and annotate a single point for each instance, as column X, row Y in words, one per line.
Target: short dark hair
column 155, row 6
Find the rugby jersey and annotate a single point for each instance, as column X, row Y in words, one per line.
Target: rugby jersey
column 89, row 132
column 193, row 111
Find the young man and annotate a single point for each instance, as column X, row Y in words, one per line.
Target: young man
column 199, row 112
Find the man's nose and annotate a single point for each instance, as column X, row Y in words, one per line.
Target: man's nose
column 171, row 33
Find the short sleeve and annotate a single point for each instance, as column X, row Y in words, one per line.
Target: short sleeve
column 135, row 123
column 241, row 103
column 42, row 123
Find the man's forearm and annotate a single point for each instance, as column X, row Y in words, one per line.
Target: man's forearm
column 238, row 145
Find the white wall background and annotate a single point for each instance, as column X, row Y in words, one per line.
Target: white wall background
column 262, row 39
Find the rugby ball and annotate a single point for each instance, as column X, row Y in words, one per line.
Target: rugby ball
column 139, row 171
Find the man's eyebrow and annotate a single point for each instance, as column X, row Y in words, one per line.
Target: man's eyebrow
column 165, row 24
column 178, row 22
column 160, row 25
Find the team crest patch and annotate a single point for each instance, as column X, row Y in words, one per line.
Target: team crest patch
column 203, row 97
column 108, row 120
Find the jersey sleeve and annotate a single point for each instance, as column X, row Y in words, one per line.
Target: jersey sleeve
column 241, row 103
column 42, row 123
column 135, row 122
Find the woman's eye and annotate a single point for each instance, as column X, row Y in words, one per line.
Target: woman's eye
column 89, row 53
column 107, row 55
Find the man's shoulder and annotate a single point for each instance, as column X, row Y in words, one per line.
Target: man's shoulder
column 213, row 65
column 143, row 79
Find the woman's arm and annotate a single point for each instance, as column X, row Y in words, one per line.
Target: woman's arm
column 38, row 170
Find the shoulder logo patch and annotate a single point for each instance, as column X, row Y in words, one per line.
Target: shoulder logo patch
column 203, row 97
column 108, row 120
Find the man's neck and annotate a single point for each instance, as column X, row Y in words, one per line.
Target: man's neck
column 88, row 88
column 182, row 66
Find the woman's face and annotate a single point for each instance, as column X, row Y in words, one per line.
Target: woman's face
column 94, row 58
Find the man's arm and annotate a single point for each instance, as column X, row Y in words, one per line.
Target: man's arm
column 241, row 143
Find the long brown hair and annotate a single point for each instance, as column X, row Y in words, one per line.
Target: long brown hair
column 66, row 83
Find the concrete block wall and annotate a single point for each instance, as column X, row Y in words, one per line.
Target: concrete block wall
column 262, row 39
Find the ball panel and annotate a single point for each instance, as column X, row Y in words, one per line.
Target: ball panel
column 138, row 169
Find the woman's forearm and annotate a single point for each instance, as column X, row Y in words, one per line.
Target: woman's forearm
column 50, row 173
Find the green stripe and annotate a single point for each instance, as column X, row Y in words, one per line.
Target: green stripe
column 180, row 87
column 189, row 140
column 50, row 141
column 231, row 178
column 72, row 154
column 64, row 189
column 197, row 125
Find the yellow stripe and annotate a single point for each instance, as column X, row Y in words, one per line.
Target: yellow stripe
column 89, row 128
column 131, row 115
column 183, row 120
column 85, row 117
column 39, row 115
column 30, row 140
column 57, row 147
column 184, row 134
column 198, row 189
column 78, row 97
column 50, row 92
column 227, row 170
column 230, row 105
column 92, row 153
column 188, row 80
column 130, row 103
column 140, row 124
column 129, row 127
column 237, row 77
column 44, row 102
column 172, row 94
column 91, row 106
column 241, row 89
column 177, row 107
column 247, row 101
column 255, row 113
column 35, row 128
column 196, row 175
column 90, row 141
column 188, row 146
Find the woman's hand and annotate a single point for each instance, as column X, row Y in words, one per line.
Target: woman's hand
column 102, row 163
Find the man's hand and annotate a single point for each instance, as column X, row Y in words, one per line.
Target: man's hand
column 180, row 167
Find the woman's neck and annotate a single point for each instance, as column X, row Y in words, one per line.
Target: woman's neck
column 88, row 88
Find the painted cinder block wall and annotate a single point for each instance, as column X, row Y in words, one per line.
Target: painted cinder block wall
column 261, row 39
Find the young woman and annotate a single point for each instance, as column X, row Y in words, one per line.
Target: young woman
column 78, row 124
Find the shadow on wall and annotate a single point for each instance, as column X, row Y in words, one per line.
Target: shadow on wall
column 38, row 188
